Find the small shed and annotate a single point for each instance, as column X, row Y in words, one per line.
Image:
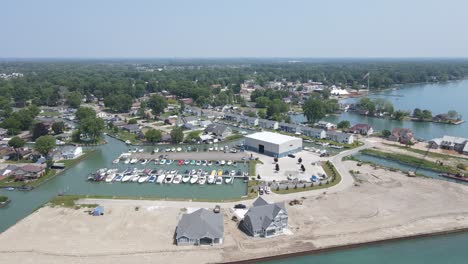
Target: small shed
column 98, row 211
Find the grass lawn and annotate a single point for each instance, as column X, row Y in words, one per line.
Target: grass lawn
column 68, row 201
column 429, row 154
column 124, row 136
column 329, row 169
column 9, row 181
column 49, row 113
column 234, row 137
column 410, row 160
column 72, row 162
column 252, row 167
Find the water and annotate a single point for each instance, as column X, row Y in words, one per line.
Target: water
column 437, row 97
column 74, row 182
column 449, row 249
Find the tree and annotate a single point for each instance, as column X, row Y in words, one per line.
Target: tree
column 58, row 127
column 426, row 114
column 92, row 128
column 44, row 145
column 39, row 130
column 181, row 106
column 261, row 113
column 262, row 102
column 153, row 135
column 132, row 121
column 84, row 113
column 74, row 99
column 399, row 115
column 367, row 104
column 193, row 136
column 177, row 135
column 157, row 104
column 120, row 103
column 343, row 125
column 454, row 115
column 314, row 110
column 386, row 133
column 417, row 113
column 16, row 143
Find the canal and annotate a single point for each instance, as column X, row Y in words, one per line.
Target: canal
column 73, row 181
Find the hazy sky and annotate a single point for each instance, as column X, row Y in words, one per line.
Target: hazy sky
column 236, row 28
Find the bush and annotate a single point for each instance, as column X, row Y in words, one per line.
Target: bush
column 461, row 166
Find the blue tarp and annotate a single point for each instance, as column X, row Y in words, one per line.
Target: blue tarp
column 98, row 211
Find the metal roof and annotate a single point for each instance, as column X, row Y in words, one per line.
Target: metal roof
column 199, row 224
column 271, row 137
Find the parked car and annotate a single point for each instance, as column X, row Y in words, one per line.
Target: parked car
column 217, row 209
column 291, row 156
column 240, row 206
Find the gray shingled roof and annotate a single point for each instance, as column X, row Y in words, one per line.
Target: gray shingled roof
column 199, row 224
column 262, row 213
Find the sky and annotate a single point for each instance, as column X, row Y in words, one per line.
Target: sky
column 235, row 28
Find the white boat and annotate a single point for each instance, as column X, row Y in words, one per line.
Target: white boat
column 140, row 150
column 133, row 161
column 126, row 161
column 143, row 179
column 194, row 179
column 186, row 178
column 186, row 162
column 169, row 178
column 179, row 149
column 219, row 180
column 144, row 162
column 198, row 162
column 162, row 162
column 110, row 177
column 126, row 178
column 228, row 179
column 116, row 161
column 156, row 150
column 177, row 179
column 135, row 178
column 161, row 178
column 202, row 179
column 233, row 172
column 222, row 162
column 193, row 172
column 229, row 163
column 168, row 150
column 173, row 149
column 211, row 179
column 210, row 163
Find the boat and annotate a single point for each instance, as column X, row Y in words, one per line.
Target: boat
column 229, row 163
column 169, row 162
column 234, row 163
column 219, row 180
column 126, row 178
column 173, row 149
column 186, row 178
column 210, row 163
column 126, row 161
column 202, row 179
column 217, row 162
column 135, row 178
column 162, row 162
column 10, row 188
column 194, row 179
column 118, row 177
column 141, row 150
column 152, row 179
column 457, row 177
column 192, row 162
column 193, row 172
column 239, row 173
column 116, row 161
column 220, row 172
column 110, row 177
column 213, row 172
column 144, row 161
column 198, row 162
column 143, row 179
column 226, row 172
column 211, row 179
column 168, row 150
column 169, row 178
column 5, row 203
column 156, row 150
column 177, row 179
column 222, row 162
column 186, row 162
column 179, row 149
column 180, row 162
column 204, row 162
column 160, row 178
column 233, row 172
column 229, row 179
column 133, row 161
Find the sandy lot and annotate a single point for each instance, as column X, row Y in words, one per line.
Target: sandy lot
column 383, row 205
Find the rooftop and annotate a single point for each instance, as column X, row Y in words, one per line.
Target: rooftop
column 271, row 137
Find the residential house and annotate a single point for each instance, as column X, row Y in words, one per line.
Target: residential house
column 187, row 101
column 250, row 121
column 402, row 135
column 3, row 133
column 133, row 128
column 290, row 128
column 325, row 125
column 217, row 130
column 28, row 172
column 202, row 227
column 340, row 137
column 362, row 129
column 264, row 219
column 314, row 132
column 171, row 120
column 451, row 143
column 71, row 152
column 232, row 117
column 268, row 124
column 205, row 123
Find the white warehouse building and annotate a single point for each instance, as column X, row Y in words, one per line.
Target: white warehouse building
column 273, row 144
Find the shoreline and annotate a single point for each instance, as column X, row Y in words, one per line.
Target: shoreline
column 352, row 246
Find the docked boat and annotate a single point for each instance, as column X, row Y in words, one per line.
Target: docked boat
column 126, row 178
column 110, row 177
column 219, row 180
column 233, row 172
column 213, row 172
column 199, row 172
column 220, row 172
column 177, row 179
column 179, row 149
column 169, row 178
column 133, row 161
column 204, row 162
column 222, row 162
column 210, row 163
column 173, row 149
column 156, row 150
column 143, row 179
column 152, row 179
column 202, row 179
column 229, row 163
column 135, row 178
column 194, row 179
column 126, row 161
column 118, row 178
column 193, row 172
column 5, row 203
column 198, row 162
column 116, row 161
column 229, row 179
column 162, row 162
column 211, row 179
column 168, row 150
column 180, row 162
column 169, row 162
column 457, row 177
column 144, row 161
column 186, row 162
column 186, row 178
column 161, row 178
